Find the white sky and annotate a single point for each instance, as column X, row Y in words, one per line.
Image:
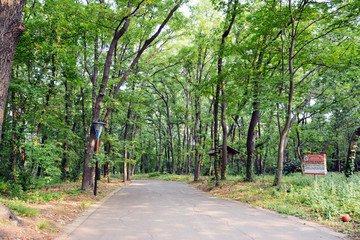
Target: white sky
column 185, row 8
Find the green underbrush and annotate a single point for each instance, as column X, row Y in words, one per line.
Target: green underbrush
column 17, row 206
column 18, row 200
column 163, row 177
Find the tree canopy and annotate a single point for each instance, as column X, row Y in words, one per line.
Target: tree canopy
column 174, row 80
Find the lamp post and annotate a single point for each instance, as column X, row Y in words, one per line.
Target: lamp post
column 99, row 126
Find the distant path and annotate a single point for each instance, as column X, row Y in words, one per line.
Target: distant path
column 175, row 211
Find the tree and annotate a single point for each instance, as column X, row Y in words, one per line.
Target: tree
column 350, row 161
column 300, row 35
column 10, row 30
column 119, row 32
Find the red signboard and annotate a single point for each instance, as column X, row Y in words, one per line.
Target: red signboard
column 315, row 164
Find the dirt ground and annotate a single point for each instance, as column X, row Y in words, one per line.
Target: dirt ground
column 53, row 216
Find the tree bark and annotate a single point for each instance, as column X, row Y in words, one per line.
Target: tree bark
column 223, row 93
column 126, row 132
column 250, row 142
column 64, row 161
column 11, row 27
column 196, row 137
column 286, row 128
column 350, row 161
column 179, row 165
column 87, row 170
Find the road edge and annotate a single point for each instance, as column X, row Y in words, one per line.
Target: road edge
column 69, row 228
column 306, row 222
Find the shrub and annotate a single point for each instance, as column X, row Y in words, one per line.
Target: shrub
column 154, row 174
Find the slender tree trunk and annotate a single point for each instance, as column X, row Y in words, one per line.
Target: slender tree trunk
column 179, row 167
column 108, row 153
column 286, row 128
column 171, row 139
column 87, row 170
column 64, row 161
column 188, row 143
column 126, row 132
column 350, row 160
column 158, row 164
column 223, row 93
column 196, row 140
column 14, row 139
column 250, row 142
column 299, row 152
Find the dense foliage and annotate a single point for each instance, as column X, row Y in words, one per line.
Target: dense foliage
column 283, row 74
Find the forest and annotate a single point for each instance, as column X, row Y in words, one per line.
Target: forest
column 175, row 80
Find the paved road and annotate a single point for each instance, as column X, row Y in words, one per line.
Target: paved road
column 147, row 210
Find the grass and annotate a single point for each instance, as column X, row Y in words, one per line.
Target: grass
column 324, row 201
column 163, row 177
column 45, row 212
column 46, row 226
column 18, row 208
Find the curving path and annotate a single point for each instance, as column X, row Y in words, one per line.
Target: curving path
column 160, row 210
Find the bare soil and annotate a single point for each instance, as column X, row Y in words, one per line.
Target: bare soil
column 53, row 216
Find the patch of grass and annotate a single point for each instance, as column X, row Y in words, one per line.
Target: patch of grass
column 20, row 209
column 154, row 174
column 46, row 226
column 42, row 197
column 43, row 225
column 74, row 192
column 83, row 205
column 163, row 177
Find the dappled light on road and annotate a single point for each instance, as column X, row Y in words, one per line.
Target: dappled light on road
column 169, row 210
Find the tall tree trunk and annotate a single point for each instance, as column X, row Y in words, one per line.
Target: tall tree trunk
column 188, row 143
column 171, row 139
column 350, row 161
column 14, row 139
column 196, row 137
column 108, row 153
column 185, row 137
column 158, row 164
column 286, row 128
column 223, row 93
column 299, row 152
column 126, row 132
column 216, row 135
column 250, row 142
column 11, row 28
column 179, row 167
column 87, row 170
column 64, row 161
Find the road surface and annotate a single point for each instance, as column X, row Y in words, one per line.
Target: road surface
column 147, row 210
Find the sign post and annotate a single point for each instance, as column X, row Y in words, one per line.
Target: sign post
column 99, row 126
column 315, row 164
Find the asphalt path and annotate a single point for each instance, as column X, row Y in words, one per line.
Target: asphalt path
column 147, row 210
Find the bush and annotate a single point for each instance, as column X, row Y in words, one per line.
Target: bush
column 154, row 174
column 332, row 196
